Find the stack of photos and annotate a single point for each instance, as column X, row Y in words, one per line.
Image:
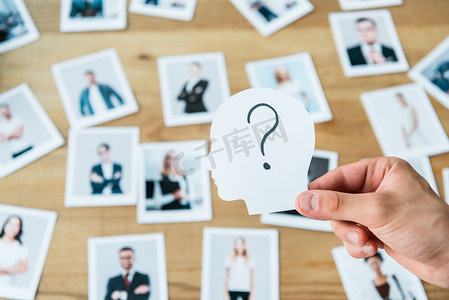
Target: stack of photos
column 182, row 10
column 25, row 237
column 128, row 267
column 16, row 26
column 405, row 122
column 322, row 162
column 101, row 167
column 432, row 72
column 94, row 89
column 366, row 4
column 26, row 131
column 376, row 277
column 269, row 16
column 174, row 183
column 92, row 15
column 192, row 87
column 296, row 76
column 367, row 43
column 240, row 264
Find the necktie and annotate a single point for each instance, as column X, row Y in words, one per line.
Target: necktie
column 126, row 281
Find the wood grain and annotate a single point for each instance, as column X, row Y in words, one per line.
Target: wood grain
column 307, row 270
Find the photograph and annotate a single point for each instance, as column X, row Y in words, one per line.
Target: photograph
column 270, row 16
column 192, row 87
column 101, row 167
column 92, row 15
column 240, row 264
column 367, row 43
column 432, row 72
column 423, row 166
column 94, row 89
column 127, row 267
column 296, row 76
column 26, row 131
column 404, row 122
column 446, row 183
column 376, row 277
column 322, row 162
column 182, row 10
column 174, row 184
column 25, row 237
column 16, row 25
column 367, row 4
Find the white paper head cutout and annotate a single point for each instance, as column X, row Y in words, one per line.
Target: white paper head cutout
column 262, row 143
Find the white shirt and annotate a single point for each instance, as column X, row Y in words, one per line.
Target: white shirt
column 96, row 100
column 191, row 83
column 371, row 293
column 107, row 169
column 367, row 49
column 130, row 275
column 292, row 88
column 11, row 254
column 239, row 273
column 8, row 127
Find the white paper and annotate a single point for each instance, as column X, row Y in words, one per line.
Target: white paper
column 267, row 173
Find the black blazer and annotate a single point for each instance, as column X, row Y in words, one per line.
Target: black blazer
column 194, row 99
column 356, row 56
column 118, row 284
column 97, row 188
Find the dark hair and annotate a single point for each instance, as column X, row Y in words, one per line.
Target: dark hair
column 104, row 145
column 195, row 63
column 368, row 20
column 19, row 234
column 89, row 72
column 126, row 249
column 375, row 255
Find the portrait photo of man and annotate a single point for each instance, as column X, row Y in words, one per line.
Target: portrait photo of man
column 370, row 50
column 86, row 8
column 129, row 284
column 105, row 177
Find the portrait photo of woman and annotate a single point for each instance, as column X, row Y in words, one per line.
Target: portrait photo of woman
column 193, row 90
column 290, row 86
column 13, row 254
column 239, row 277
column 410, row 124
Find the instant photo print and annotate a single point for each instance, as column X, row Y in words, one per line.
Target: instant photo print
column 182, row 10
column 262, row 142
column 92, row 15
column 423, row 166
column 366, row 4
column 18, row 28
column 35, row 135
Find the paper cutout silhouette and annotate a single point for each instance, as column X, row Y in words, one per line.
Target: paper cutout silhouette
column 262, row 142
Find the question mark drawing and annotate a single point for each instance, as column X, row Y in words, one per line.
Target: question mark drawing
column 262, row 143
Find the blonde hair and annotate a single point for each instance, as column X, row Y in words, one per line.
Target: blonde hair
column 279, row 69
column 168, row 169
column 245, row 251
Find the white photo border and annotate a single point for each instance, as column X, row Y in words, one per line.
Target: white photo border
column 160, row 248
column 186, row 15
column 31, row 36
column 446, row 183
column 164, row 79
column 145, row 217
column 51, row 216
column 56, row 141
column 80, row 25
column 273, row 235
column 285, row 220
column 128, row 108
column 324, row 114
column 129, row 199
column 354, row 5
column 350, row 71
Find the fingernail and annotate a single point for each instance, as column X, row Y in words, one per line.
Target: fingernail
column 353, row 237
column 307, row 202
column 367, row 249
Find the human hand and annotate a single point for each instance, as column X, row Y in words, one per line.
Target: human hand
column 116, row 295
column 117, row 175
column 95, row 178
column 142, row 289
column 227, row 296
column 377, row 58
column 384, row 203
column 3, row 138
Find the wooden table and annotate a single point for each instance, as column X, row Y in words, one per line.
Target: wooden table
column 307, row 270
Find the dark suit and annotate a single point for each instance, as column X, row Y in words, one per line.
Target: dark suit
column 152, row 2
column 356, row 56
column 194, row 98
column 263, row 10
column 106, row 92
column 85, row 8
column 117, row 283
column 97, row 188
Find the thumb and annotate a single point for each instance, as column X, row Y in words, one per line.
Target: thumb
column 331, row 205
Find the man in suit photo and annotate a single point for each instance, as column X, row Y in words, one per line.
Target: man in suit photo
column 370, row 51
column 86, row 8
column 129, row 284
column 98, row 98
column 193, row 90
column 105, row 177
